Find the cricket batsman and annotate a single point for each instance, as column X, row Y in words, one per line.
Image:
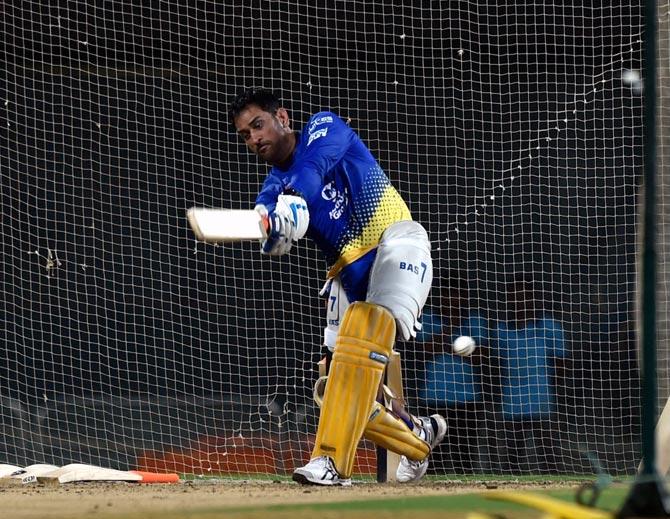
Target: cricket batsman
column 324, row 184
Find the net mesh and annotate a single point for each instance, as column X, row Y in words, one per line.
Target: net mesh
column 513, row 131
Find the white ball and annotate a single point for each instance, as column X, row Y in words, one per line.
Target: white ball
column 632, row 79
column 464, row 345
column 630, row 76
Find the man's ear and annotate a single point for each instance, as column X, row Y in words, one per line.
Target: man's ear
column 282, row 117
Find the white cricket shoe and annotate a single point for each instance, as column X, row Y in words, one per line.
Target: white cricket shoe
column 410, row 471
column 320, row 471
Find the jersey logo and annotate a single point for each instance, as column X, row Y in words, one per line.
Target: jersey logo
column 319, row 120
column 318, row 133
column 330, row 193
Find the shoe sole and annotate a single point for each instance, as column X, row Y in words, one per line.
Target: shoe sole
column 303, row 479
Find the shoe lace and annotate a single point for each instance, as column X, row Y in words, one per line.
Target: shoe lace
column 331, row 473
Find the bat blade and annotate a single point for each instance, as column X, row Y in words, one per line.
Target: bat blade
column 225, row 225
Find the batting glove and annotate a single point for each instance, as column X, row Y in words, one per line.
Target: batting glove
column 285, row 225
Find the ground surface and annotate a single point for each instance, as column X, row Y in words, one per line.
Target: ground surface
column 211, row 498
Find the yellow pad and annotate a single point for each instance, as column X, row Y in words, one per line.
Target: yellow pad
column 362, row 349
column 384, row 428
column 388, row 431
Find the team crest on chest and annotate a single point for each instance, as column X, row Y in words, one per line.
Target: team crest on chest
column 339, row 199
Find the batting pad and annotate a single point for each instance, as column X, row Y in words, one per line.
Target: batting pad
column 362, row 350
column 388, row 431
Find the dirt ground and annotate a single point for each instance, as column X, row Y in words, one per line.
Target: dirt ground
column 199, row 498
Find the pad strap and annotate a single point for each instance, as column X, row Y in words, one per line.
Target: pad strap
column 388, row 431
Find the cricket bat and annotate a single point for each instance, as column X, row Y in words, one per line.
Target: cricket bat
column 226, row 225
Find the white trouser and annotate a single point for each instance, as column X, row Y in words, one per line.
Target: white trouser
column 400, row 280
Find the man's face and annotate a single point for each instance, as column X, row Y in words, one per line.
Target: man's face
column 267, row 135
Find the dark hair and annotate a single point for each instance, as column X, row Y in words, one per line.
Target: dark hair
column 265, row 99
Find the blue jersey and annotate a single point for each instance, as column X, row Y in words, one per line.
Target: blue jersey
column 452, row 379
column 350, row 199
column 527, row 357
